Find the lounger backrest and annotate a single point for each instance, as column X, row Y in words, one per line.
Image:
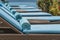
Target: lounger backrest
column 7, row 8
column 8, row 11
column 9, row 19
column 21, row 24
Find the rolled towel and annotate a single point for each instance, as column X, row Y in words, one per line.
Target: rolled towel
column 8, row 6
column 18, row 16
column 13, row 12
column 25, row 24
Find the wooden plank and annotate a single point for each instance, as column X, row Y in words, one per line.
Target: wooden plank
column 35, row 21
column 30, row 36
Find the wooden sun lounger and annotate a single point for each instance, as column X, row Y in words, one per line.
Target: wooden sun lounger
column 10, row 32
column 16, row 35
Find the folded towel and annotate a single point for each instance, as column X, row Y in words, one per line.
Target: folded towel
column 44, row 29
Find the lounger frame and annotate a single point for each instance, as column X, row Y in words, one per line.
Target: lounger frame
column 29, row 36
column 20, row 36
